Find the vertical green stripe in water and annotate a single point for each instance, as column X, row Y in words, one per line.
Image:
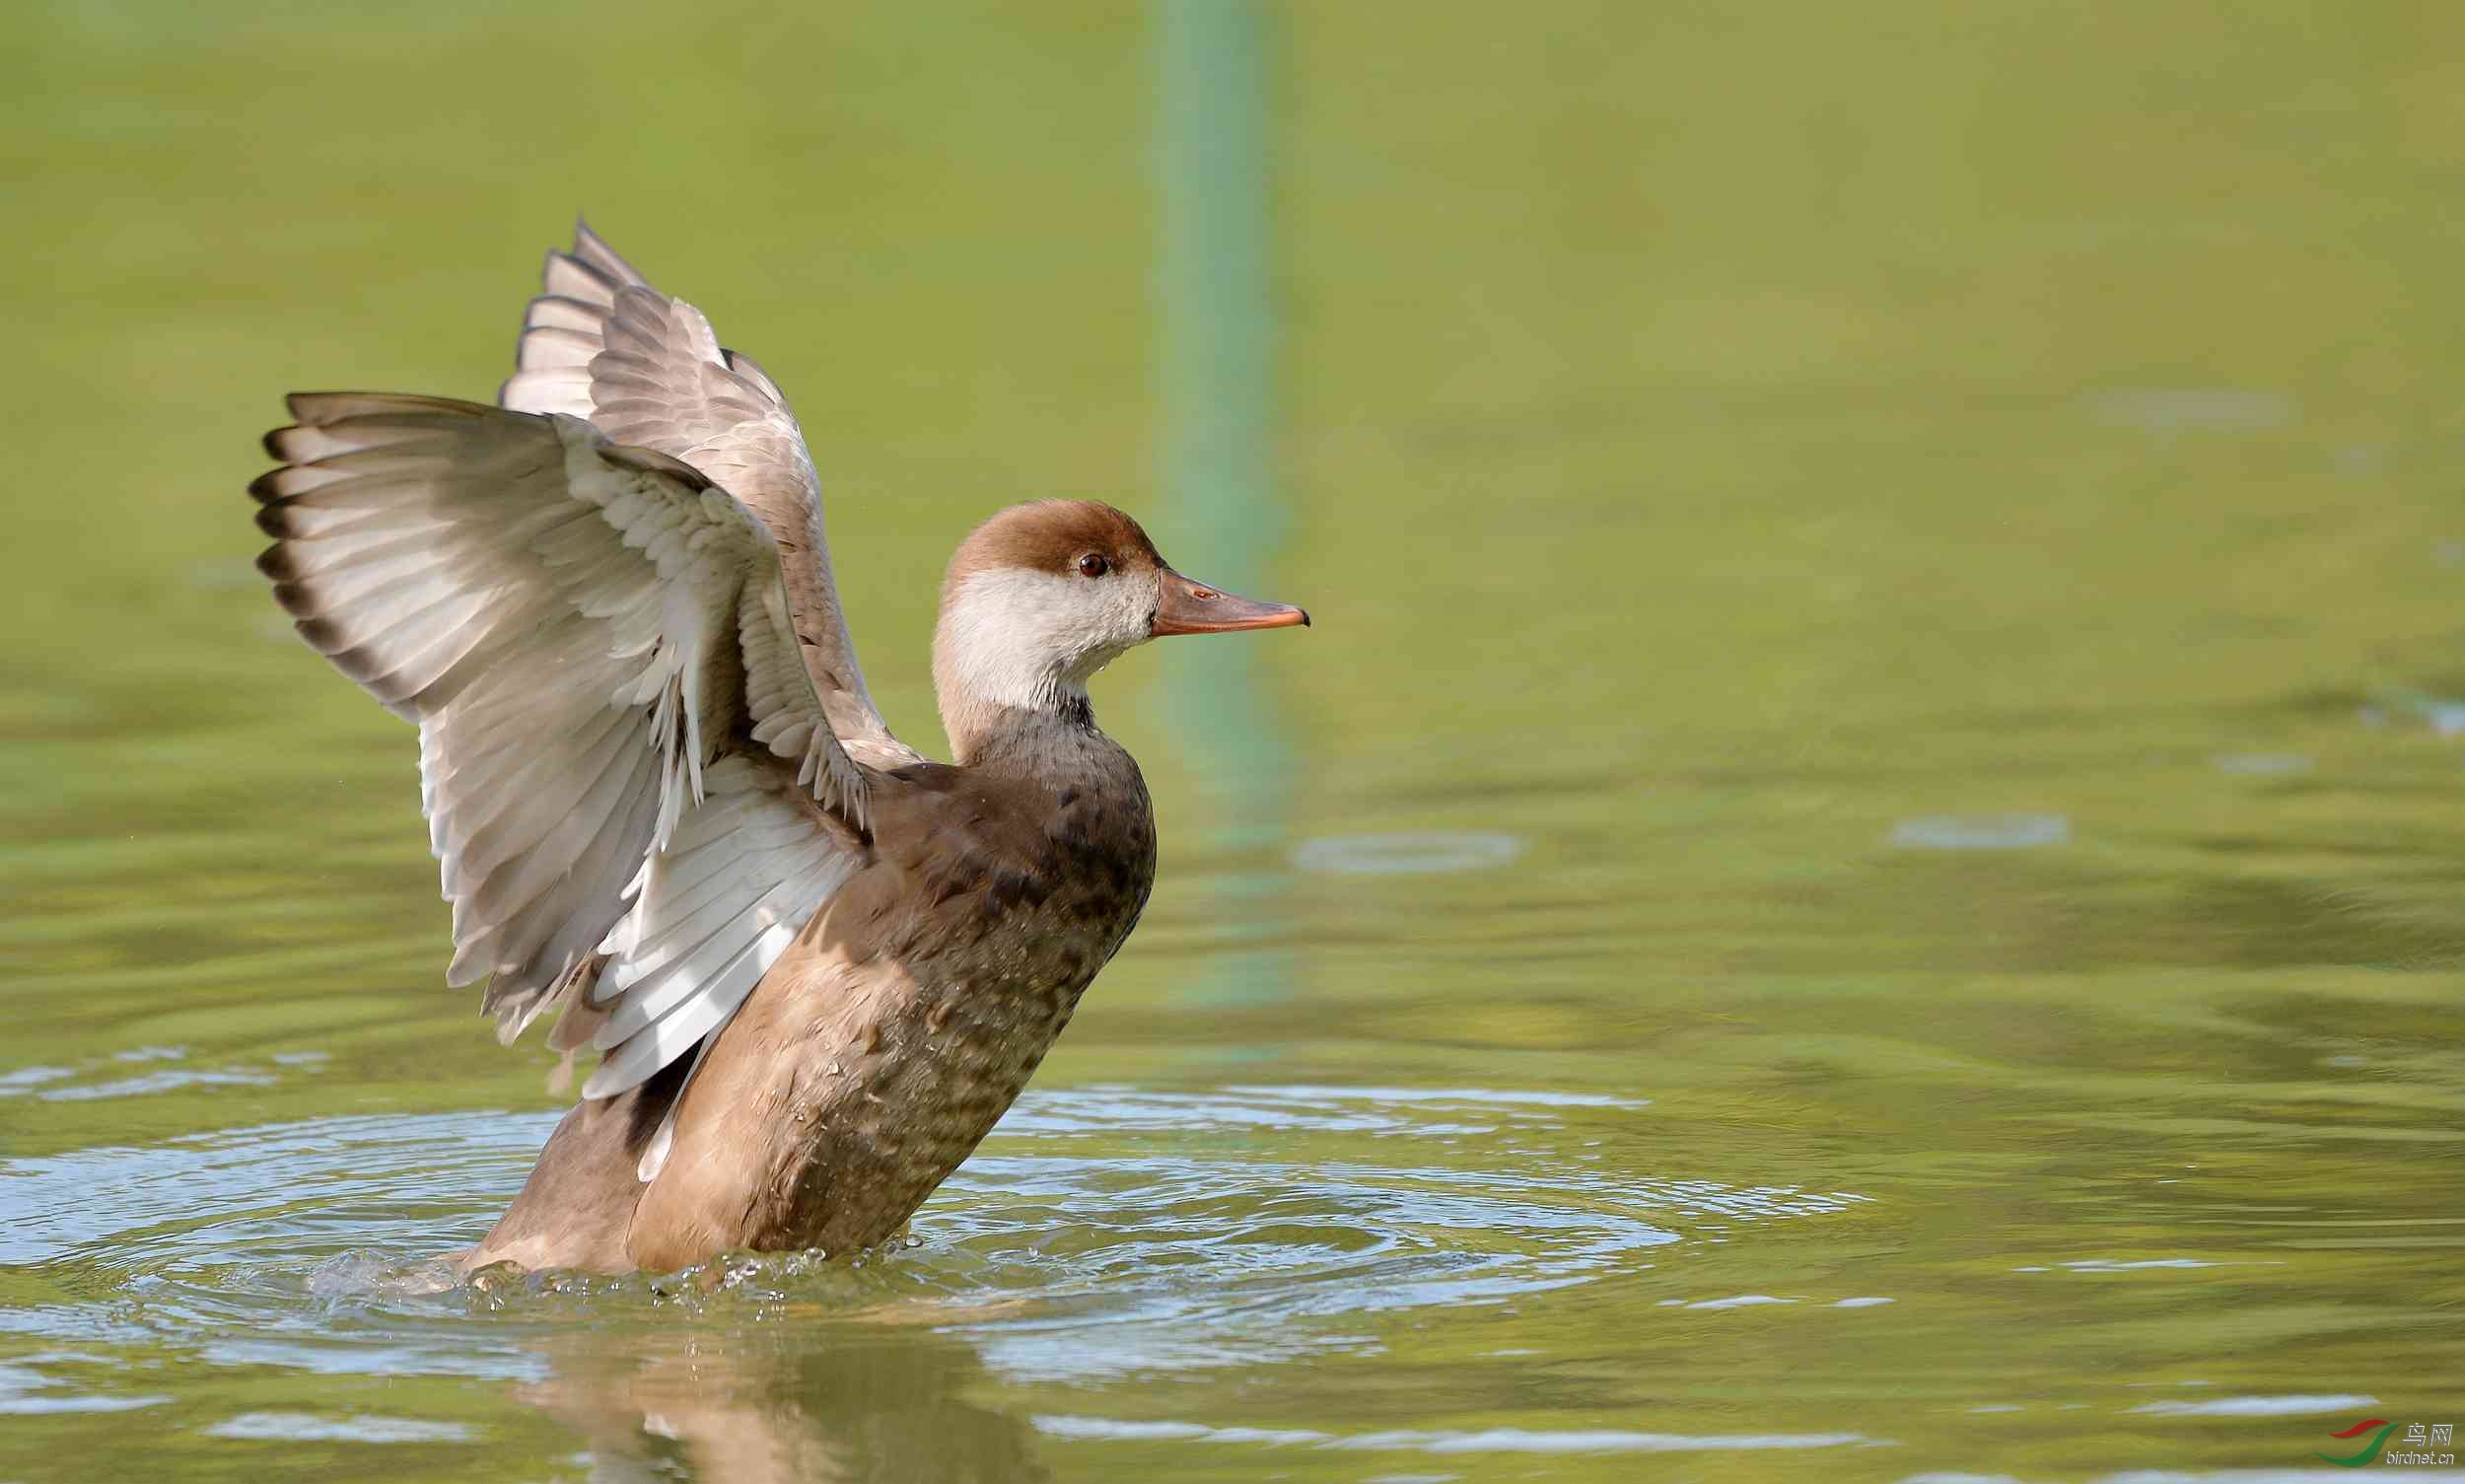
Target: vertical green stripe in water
column 1221, row 507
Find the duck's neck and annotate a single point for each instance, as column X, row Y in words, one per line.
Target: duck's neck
column 986, row 734
column 996, row 706
column 1004, row 679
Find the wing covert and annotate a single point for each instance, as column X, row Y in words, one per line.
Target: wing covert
column 596, row 646
column 601, row 344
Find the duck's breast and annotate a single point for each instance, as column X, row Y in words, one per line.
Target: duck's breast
column 887, row 1043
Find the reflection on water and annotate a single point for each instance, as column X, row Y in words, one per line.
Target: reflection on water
column 1407, row 854
column 1856, row 882
column 765, row 1406
column 2213, row 408
column 1982, row 831
column 2262, row 764
column 1217, row 484
column 1490, row 1441
column 301, row 1426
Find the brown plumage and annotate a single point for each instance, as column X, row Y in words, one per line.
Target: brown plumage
column 819, row 966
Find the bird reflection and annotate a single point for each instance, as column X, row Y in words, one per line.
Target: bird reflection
column 799, row 1397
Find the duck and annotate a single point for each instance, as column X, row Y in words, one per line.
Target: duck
column 815, row 967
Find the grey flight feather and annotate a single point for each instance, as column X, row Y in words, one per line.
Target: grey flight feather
column 601, row 344
column 595, row 643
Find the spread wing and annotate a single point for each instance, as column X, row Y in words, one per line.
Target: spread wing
column 627, row 774
column 601, row 344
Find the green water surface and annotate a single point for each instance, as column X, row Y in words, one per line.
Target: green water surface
column 1909, row 556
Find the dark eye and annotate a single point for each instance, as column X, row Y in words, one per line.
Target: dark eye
column 1093, row 565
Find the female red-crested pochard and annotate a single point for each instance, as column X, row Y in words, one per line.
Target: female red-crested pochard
column 818, row 966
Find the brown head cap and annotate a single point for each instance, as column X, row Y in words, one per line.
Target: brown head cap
column 1055, row 537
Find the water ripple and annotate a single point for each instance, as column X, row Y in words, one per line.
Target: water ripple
column 1104, row 1230
column 1486, row 1441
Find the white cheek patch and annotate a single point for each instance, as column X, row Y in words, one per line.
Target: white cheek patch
column 1019, row 637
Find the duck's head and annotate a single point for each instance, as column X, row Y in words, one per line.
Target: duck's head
column 1041, row 596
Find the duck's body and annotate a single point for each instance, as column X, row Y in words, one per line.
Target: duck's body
column 821, row 967
column 887, row 1040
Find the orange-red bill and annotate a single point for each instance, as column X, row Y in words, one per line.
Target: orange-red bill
column 1184, row 607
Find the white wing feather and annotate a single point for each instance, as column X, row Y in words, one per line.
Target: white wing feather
column 601, row 344
column 583, row 633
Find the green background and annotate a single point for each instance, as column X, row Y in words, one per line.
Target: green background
column 1707, row 438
